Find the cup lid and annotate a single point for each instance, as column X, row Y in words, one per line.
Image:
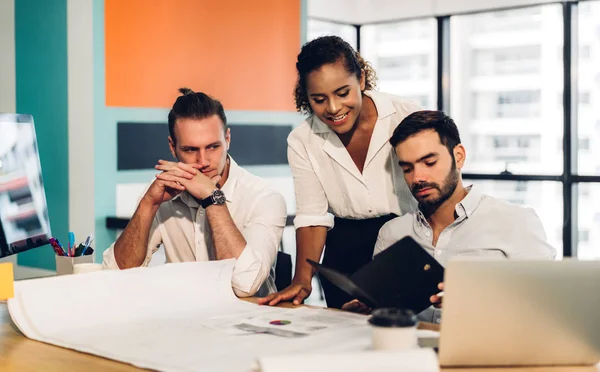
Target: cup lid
column 393, row 317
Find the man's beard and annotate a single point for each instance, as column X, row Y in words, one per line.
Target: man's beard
column 429, row 204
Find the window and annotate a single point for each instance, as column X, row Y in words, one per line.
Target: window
column 583, row 190
column 499, row 89
column 584, row 52
column 508, row 149
column 406, row 30
column 507, row 60
column 404, row 67
column 588, row 221
column 588, row 111
column 521, row 186
column 517, row 104
column 508, row 20
column 316, row 28
column 583, row 236
column 404, row 57
column 506, row 96
column 506, row 104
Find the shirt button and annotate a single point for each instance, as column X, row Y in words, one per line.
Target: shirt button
column 427, row 233
column 438, row 252
column 438, row 320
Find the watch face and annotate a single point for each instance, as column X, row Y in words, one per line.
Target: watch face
column 219, row 197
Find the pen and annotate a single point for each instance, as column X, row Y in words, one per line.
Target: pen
column 71, row 244
column 56, row 250
column 57, row 247
column 88, row 241
column 61, row 247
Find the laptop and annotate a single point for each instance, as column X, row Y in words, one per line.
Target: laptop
column 520, row 313
column 404, row 275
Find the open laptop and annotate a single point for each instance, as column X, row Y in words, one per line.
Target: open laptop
column 519, row 313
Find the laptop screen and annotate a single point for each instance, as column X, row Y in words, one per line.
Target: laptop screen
column 24, row 222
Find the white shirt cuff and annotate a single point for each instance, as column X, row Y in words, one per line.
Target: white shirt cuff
column 108, row 259
column 249, row 273
column 304, row 221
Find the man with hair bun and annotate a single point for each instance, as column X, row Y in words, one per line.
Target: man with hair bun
column 205, row 206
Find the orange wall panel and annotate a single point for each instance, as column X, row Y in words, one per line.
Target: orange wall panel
column 241, row 52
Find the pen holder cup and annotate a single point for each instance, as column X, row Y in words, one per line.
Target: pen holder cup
column 64, row 265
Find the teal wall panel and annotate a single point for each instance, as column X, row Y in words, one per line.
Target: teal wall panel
column 41, row 90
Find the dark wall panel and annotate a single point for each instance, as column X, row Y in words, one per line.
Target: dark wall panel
column 259, row 144
column 140, row 145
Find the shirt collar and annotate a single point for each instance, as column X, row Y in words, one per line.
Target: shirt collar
column 235, row 172
column 384, row 106
column 469, row 203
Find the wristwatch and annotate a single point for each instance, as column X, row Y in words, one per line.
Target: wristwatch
column 217, row 197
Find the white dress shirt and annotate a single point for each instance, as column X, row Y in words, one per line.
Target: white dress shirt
column 327, row 181
column 259, row 213
column 485, row 227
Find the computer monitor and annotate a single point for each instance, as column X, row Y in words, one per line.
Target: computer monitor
column 24, row 222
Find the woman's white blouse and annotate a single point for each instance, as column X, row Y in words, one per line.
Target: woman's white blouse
column 328, row 183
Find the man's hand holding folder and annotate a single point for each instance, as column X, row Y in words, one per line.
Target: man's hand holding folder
column 404, row 276
column 356, row 306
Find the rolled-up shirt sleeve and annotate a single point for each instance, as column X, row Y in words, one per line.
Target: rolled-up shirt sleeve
column 262, row 233
column 311, row 202
column 154, row 242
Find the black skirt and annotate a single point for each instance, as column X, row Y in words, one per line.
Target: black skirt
column 348, row 247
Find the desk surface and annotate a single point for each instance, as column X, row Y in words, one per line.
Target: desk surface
column 18, row 353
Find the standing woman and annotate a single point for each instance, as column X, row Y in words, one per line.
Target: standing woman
column 346, row 179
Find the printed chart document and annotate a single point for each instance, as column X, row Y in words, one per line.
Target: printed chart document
column 297, row 322
column 175, row 317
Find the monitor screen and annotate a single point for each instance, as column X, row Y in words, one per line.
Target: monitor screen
column 24, row 222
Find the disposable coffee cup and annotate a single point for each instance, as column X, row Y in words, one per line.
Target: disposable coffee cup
column 393, row 329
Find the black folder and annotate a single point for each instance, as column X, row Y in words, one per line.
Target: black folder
column 402, row 276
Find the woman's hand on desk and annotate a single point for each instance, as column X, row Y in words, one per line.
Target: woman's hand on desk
column 356, row 306
column 296, row 292
column 436, row 299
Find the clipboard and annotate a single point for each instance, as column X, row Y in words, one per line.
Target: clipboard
column 403, row 276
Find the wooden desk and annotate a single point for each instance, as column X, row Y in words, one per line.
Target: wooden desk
column 18, row 353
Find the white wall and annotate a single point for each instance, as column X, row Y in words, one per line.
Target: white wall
column 80, row 60
column 8, row 99
column 368, row 11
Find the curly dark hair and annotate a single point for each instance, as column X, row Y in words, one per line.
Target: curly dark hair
column 324, row 50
